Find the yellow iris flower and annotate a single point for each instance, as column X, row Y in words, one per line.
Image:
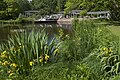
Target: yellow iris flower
column 4, row 52
column 14, row 65
column 31, row 63
column 11, row 74
column 46, row 57
column 5, row 63
column 41, row 60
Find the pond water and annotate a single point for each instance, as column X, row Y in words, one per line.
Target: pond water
column 50, row 28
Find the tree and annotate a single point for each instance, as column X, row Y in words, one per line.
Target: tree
column 12, row 9
column 2, row 9
column 48, row 6
column 60, row 5
column 96, row 5
column 9, row 9
column 24, row 5
column 72, row 4
column 44, row 6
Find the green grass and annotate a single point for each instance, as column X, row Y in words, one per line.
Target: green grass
column 80, row 57
column 18, row 20
column 113, row 26
column 114, row 29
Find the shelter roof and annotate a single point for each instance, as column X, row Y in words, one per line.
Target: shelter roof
column 31, row 11
column 98, row 12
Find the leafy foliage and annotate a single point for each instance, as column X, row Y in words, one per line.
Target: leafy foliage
column 24, row 5
column 9, row 9
column 96, row 5
column 47, row 7
column 85, row 39
column 44, row 6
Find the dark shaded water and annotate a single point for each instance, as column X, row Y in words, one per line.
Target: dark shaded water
column 50, row 28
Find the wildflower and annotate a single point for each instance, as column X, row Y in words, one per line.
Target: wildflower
column 46, row 57
column 3, row 56
column 41, row 60
column 110, row 50
column 31, row 63
column 104, row 49
column 5, row 63
column 10, row 71
column 14, row 65
column 4, row 52
column 11, row 74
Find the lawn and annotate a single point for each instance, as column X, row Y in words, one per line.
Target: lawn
column 115, row 30
column 113, row 26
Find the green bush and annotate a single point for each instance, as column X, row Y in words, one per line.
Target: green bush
column 86, row 37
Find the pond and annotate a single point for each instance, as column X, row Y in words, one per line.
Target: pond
column 50, row 28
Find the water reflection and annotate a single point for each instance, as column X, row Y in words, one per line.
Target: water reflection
column 50, row 28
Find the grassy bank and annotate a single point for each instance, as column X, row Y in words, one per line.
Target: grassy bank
column 113, row 26
column 21, row 20
column 115, row 30
column 91, row 53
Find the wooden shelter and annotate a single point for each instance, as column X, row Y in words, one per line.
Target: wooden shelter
column 30, row 13
column 99, row 14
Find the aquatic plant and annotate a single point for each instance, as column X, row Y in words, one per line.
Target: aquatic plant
column 25, row 50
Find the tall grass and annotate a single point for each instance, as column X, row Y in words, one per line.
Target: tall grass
column 85, row 39
column 91, row 53
column 61, row 71
column 86, row 44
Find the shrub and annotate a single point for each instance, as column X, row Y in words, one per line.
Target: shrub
column 85, row 38
column 87, row 44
